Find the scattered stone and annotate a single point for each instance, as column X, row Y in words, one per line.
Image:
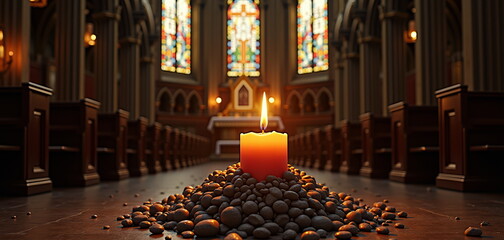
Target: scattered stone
column 343, row 235
column 289, row 234
column 322, row 222
column 390, row 209
column 261, row 233
column 13, row 217
column 207, row 228
column 382, row 230
column 106, row 227
column 322, row 233
column 231, row 216
column 137, row 195
column 365, row 227
column 145, row 224
column 457, row 218
column 484, row 223
column 250, row 207
column 185, row 225
column 399, row 225
column 187, row 234
column 120, row 218
column 402, row 214
column 28, row 213
column 94, row 216
column 388, row 216
column 168, row 238
column 156, row 229
column 473, row 232
column 349, row 228
column 354, row 216
column 310, row 235
column 127, row 223
column 125, row 204
column 233, row 236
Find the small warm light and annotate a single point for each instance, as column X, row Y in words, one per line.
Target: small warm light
column 11, row 53
column 271, row 99
column 413, row 35
column 218, row 100
column 93, row 37
column 1, row 35
column 264, row 113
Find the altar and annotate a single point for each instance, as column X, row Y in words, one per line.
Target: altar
column 226, row 133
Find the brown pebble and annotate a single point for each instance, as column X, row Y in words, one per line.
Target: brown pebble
column 206, row 228
column 125, row 204
column 457, row 218
column 365, row 227
column 120, row 218
column 289, row 234
column 310, row 235
column 168, row 238
column 382, row 230
column 343, row 235
column 231, row 216
column 473, row 232
column 388, row 216
column 106, row 227
column 13, row 217
column 156, row 228
column 261, row 233
column 94, row 216
column 233, row 236
column 399, row 225
column 349, row 228
column 127, row 223
column 402, row 214
column 484, row 223
column 29, row 213
column 145, row 224
column 137, row 195
column 188, row 234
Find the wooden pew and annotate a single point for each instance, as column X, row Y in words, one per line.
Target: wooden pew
column 471, row 128
column 164, row 150
column 306, row 149
column 137, row 129
column 73, row 142
column 375, row 132
column 351, row 147
column 320, row 148
column 333, row 146
column 24, row 142
column 152, row 146
column 415, row 143
column 174, row 148
column 112, row 143
column 311, row 149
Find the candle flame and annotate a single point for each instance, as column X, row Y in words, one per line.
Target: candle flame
column 264, row 113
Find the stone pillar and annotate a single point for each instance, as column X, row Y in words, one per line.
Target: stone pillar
column 15, row 22
column 69, row 50
column 351, row 107
column 338, row 92
column 129, row 84
column 430, row 48
column 106, row 29
column 371, row 86
column 393, row 53
column 147, row 85
column 482, row 37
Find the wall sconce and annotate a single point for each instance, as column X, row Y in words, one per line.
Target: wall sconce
column 218, row 100
column 89, row 36
column 271, row 100
column 410, row 36
column 5, row 60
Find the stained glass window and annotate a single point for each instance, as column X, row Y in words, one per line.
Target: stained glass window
column 176, row 36
column 312, row 36
column 243, row 38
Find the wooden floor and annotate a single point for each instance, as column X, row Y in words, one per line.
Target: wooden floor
column 66, row 213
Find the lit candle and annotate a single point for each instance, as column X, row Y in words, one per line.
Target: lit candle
column 263, row 154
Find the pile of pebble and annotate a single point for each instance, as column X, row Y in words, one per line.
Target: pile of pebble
column 233, row 204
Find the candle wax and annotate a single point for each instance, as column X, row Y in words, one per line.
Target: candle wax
column 263, row 154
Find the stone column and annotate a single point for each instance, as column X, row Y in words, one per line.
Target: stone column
column 147, row 85
column 129, row 84
column 69, row 50
column 482, row 37
column 15, row 22
column 351, row 86
column 106, row 29
column 393, row 53
column 371, row 86
column 339, row 103
column 430, row 48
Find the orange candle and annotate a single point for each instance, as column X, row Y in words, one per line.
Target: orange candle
column 263, row 154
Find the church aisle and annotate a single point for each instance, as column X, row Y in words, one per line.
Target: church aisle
column 66, row 213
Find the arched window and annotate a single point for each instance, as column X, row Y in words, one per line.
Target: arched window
column 165, row 102
column 294, row 105
column 194, row 105
column 312, row 36
column 309, row 103
column 243, row 38
column 179, row 107
column 176, row 36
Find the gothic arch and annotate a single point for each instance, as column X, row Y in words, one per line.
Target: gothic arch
column 192, row 107
column 308, row 102
column 179, row 100
column 127, row 26
column 294, row 106
column 372, row 20
column 164, row 101
column 322, row 104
